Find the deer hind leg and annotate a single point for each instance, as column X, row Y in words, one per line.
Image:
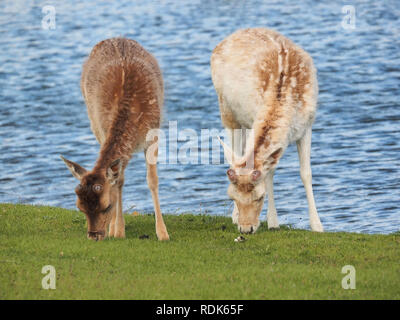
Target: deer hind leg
column 152, row 181
column 119, row 231
column 272, row 216
column 304, row 150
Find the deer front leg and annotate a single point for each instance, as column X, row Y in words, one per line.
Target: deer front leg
column 235, row 214
column 272, row 216
column 119, row 231
column 304, row 150
column 152, row 181
column 111, row 227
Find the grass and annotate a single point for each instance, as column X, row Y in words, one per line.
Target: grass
column 201, row 261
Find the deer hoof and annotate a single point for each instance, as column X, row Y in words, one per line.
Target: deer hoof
column 163, row 236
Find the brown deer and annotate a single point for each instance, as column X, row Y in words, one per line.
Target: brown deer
column 123, row 90
column 268, row 84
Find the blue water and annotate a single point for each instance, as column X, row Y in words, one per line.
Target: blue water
column 355, row 150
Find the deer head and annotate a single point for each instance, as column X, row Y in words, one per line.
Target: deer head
column 247, row 176
column 97, row 195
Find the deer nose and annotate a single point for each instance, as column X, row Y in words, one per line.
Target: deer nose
column 95, row 235
column 246, row 229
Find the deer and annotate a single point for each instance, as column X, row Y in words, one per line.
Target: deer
column 266, row 86
column 122, row 87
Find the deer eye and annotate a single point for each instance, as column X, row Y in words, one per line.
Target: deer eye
column 97, row 188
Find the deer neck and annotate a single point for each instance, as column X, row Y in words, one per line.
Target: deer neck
column 121, row 140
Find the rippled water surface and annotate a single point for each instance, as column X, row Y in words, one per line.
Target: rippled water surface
column 355, row 150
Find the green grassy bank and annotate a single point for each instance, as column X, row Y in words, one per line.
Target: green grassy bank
column 201, row 261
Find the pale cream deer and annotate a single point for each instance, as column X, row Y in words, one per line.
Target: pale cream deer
column 266, row 83
column 123, row 89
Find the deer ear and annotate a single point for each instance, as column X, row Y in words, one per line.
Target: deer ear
column 114, row 171
column 273, row 158
column 76, row 170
